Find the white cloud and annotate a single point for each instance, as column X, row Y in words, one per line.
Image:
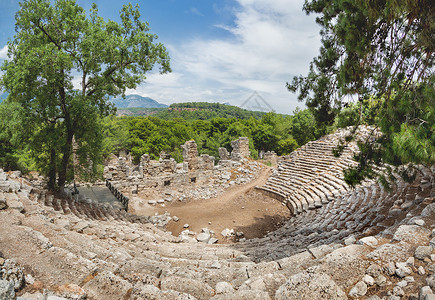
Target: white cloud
column 4, row 52
column 195, row 11
column 271, row 41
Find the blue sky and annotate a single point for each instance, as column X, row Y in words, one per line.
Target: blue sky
column 221, row 51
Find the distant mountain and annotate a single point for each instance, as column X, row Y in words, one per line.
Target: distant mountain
column 136, row 101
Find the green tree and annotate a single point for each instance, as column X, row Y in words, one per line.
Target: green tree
column 286, row 146
column 303, row 126
column 56, row 43
column 376, row 49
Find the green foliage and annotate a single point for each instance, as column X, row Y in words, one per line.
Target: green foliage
column 206, row 111
column 151, row 135
column 286, row 146
column 382, row 53
column 304, row 127
column 53, row 41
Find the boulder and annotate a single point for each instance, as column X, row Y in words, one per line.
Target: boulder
column 223, row 287
column 3, row 204
column 193, row 287
column 310, row 284
column 369, row 241
column 203, row 237
column 359, row 290
column 7, row 291
column 422, row 252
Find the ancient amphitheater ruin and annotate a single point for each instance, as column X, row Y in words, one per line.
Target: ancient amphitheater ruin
column 339, row 243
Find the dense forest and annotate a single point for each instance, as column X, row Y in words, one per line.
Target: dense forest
column 191, row 111
column 205, row 111
column 139, row 135
column 272, row 132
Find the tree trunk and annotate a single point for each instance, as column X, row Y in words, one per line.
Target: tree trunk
column 67, row 147
column 52, row 171
column 65, row 162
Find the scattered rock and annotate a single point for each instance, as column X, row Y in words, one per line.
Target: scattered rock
column 350, row 240
column 223, row 287
column 431, row 281
column 308, row 285
column 227, row 232
column 402, row 284
column 390, row 269
column 13, row 273
column 426, row 290
column 203, row 237
column 369, row 241
column 374, row 270
column 419, row 222
column 7, row 290
column 3, row 204
column 428, row 211
column 29, row 279
column 423, row 252
column 398, row 291
column 369, row 280
column 421, row 270
column 408, row 233
column 359, row 290
column 381, row 280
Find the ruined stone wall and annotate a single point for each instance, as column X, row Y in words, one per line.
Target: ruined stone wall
column 190, row 155
column 271, row 157
column 240, row 149
column 167, row 172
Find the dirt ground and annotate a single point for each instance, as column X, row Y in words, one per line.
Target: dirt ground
column 241, row 208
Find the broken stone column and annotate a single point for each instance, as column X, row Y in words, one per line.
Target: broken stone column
column 240, row 149
column 223, row 153
column 168, row 165
column 190, row 155
column 123, row 168
column 206, row 162
column 164, row 155
column 270, row 156
column 144, row 164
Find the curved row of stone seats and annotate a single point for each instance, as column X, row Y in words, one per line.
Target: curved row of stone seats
column 110, row 259
column 312, row 175
column 84, row 207
column 365, row 210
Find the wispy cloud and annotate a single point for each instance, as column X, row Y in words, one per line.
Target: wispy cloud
column 270, row 42
column 195, row 11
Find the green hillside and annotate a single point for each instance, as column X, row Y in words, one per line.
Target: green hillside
column 206, row 111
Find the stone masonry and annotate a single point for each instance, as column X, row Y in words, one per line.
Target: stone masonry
column 240, row 149
column 167, row 172
column 190, row 155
